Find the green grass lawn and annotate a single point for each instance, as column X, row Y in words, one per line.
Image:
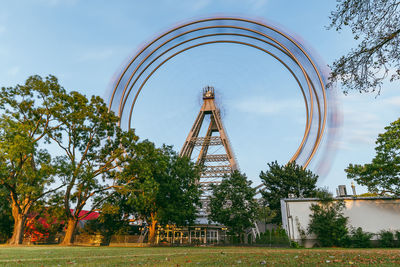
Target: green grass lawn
column 193, row 256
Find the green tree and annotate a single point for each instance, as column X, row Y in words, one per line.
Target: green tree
column 93, row 149
column 376, row 25
column 165, row 190
column 328, row 223
column 46, row 219
column 6, row 219
column 232, row 203
column 382, row 175
column 265, row 214
column 113, row 219
column 26, row 171
column 282, row 181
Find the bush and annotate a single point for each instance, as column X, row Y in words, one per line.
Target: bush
column 6, row 218
column 397, row 234
column 328, row 223
column 294, row 244
column 359, row 239
column 386, row 239
column 277, row 237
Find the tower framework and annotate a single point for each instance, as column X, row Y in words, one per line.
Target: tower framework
column 211, row 146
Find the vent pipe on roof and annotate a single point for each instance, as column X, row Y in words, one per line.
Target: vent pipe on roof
column 353, row 188
column 342, row 192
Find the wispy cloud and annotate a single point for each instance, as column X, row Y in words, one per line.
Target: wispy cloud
column 3, row 29
column 362, row 121
column 13, row 71
column 258, row 4
column 57, row 2
column 395, row 101
column 200, row 4
column 97, row 55
column 263, row 106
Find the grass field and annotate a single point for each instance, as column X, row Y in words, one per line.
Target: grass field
column 194, row 256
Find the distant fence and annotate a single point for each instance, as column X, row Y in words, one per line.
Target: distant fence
column 115, row 240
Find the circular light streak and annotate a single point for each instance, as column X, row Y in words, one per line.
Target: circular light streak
column 237, row 31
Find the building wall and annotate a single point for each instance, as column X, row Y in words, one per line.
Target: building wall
column 371, row 214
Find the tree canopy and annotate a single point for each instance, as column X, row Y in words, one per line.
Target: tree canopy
column 96, row 163
column 93, row 148
column 283, row 181
column 376, row 24
column 26, row 169
column 165, row 189
column 232, row 203
column 113, row 219
column 382, row 175
column 6, row 219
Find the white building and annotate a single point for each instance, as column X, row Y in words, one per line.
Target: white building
column 372, row 214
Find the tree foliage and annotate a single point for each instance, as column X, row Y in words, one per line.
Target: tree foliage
column 382, row 175
column 46, row 220
column 113, row 219
column 26, row 170
column 232, row 203
column 165, row 189
column 386, row 239
column 6, row 219
column 96, row 162
column 376, row 24
column 265, row 214
column 282, row 181
column 359, row 239
column 93, row 148
column 328, row 223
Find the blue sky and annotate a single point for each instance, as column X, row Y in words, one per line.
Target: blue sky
column 84, row 43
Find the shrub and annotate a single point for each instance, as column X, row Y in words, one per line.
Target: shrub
column 6, row 218
column 277, row 237
column 328, row 223
column 294, row 244
column 359, row 239
column 397, row 234
column 386, row 239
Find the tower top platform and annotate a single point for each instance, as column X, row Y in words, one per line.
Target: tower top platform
column 208, row 92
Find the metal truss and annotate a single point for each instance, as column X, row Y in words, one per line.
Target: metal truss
column 215, row 166
column 208, row 141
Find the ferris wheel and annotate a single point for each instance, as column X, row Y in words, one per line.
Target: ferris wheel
column 319, row 107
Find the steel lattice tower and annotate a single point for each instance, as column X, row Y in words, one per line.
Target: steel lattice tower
column 214, row 150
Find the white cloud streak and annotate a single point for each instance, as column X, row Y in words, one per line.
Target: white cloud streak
column 13, row 71
column 97, row 55
column 258, row 4
column 363, row 120
column 262, row 106
column 200, row 4
column 54, row 3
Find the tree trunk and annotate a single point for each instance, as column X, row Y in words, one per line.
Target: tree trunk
column 152, row 229
column 19, row 225
column 70, row 233
column 18, row 232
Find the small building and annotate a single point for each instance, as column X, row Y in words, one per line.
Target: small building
column 197, row 235
column 372, row 214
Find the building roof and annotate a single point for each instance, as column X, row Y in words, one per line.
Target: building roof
column 341, row 198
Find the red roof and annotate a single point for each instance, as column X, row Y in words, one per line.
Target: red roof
column 90, row 215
